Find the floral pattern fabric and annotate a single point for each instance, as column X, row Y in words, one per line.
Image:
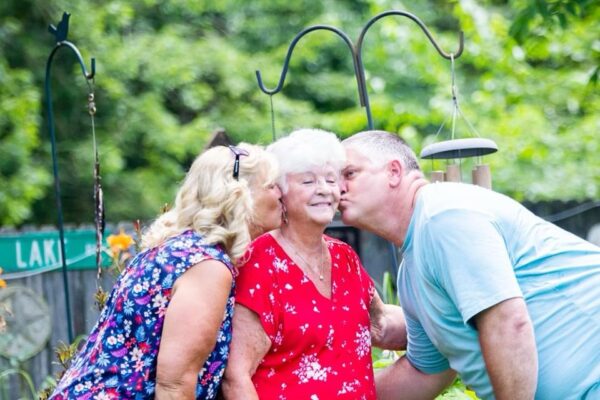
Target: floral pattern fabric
column 320, row 347
column 118, row 360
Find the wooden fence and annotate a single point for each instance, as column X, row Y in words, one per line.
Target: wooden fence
column 49, row 286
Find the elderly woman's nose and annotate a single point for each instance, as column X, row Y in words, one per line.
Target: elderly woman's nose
column 323, row 187
column 322, row 182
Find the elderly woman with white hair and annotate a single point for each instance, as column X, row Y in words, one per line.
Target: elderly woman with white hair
column 306, row 310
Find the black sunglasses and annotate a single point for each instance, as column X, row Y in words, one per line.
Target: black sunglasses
column 238, row 152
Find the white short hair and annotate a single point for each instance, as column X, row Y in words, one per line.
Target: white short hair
column 305, row 149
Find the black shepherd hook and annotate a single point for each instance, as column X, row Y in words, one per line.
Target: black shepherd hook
column 60, row 32
column 359, row 70
column 356, row 51
column 286, row 62
column 364, row 101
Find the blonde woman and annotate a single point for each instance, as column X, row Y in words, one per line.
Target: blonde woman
column 166, row 328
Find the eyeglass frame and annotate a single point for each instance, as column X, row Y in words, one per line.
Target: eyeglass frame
column 237, row 152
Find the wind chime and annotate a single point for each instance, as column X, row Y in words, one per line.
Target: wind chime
column 454, row 150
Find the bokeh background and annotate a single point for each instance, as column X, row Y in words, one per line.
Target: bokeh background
column 171, row 72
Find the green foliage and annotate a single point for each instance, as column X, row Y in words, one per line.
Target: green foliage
column 24, row 377
column 24, row 177
column 171, row 72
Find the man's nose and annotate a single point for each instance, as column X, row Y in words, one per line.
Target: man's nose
column 343, row 186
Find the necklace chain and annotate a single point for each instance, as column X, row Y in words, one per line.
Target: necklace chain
column 321, row 277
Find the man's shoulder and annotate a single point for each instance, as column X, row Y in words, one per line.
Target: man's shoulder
column 448, row 199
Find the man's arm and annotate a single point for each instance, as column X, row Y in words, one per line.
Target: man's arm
column 388, row 328
column 508, row 346
column 249, row 344
column 402, row 380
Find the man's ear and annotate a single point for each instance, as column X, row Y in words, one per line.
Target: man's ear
column 395, row 171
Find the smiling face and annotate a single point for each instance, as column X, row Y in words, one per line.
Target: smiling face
column 312, row 196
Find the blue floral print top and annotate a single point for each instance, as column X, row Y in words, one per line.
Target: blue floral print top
column 118, row 360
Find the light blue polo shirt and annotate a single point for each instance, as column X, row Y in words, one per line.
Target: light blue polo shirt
column 469, row 248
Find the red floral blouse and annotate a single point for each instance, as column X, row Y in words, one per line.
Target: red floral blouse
column 320, row 347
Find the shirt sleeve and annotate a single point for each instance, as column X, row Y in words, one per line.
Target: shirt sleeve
column 469, row 260
column 257, row 288
column 420, row 352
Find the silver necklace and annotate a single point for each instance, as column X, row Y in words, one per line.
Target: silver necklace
column 321, row 277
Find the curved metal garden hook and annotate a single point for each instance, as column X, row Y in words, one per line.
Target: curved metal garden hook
column 363, row 91
column 358, row 65
column 286, row 63
column 60, row 33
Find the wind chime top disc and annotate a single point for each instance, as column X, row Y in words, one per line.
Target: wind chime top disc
column 459, row 148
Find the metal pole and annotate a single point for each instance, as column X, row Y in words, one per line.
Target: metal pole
column 60, row 33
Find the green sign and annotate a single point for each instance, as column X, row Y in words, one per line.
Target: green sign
column 34, row 252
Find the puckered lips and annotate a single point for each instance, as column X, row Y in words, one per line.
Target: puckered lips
column 343, row 203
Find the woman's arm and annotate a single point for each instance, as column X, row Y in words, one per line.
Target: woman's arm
column 249, row 345
column 190, row 330
column 388, row 328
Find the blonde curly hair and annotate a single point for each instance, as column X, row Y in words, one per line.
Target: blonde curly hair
column 214, row 204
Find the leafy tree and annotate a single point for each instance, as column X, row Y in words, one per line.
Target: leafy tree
column 171, row 72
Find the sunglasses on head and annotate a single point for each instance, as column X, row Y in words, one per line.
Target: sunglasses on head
column 238, row 152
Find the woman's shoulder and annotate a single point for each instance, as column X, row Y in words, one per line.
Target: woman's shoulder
column 191, row 245
column 261, row 247
column 265, row 239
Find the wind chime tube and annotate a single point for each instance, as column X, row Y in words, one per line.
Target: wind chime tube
column 453, row 173
column 482, row 176
column 438, row 176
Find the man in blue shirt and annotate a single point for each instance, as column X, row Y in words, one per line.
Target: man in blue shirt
column 509, row 301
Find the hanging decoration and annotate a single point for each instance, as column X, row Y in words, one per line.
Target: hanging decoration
column 454, row 150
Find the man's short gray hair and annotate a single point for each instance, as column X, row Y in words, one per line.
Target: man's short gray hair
column 305, row 149
column 381, row 146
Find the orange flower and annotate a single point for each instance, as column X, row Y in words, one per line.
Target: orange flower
column 2, row 281
column 119, row 242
